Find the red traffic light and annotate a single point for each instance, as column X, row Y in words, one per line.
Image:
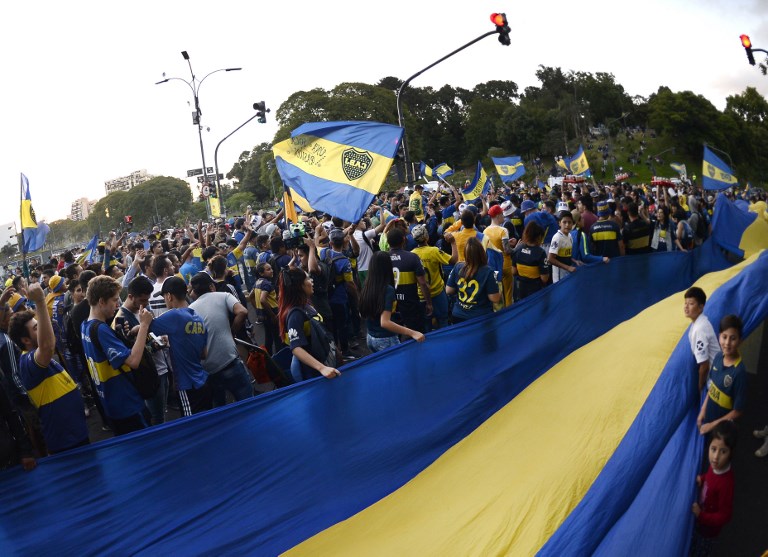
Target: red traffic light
column 500, row 20
column 745, row 42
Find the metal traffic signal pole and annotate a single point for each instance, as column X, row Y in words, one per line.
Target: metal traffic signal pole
column 261, row 114
column 502, row 29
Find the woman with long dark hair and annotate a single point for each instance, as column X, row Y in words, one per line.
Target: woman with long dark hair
column 663, row 238
column 377, row 304
column 297, row 330
column 474, row 282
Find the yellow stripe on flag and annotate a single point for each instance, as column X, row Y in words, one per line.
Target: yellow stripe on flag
column 320, row 158
column 510, row 484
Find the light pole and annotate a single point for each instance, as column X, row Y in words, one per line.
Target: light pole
column 194, row 84
column 502, row 29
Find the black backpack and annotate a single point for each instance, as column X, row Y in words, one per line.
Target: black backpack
column 144, row 378
column 321, row 344
column 328, row 273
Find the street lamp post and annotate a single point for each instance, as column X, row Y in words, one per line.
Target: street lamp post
column 194, row 84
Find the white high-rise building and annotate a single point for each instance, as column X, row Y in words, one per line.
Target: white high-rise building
column 125, row 183
column 81, row 208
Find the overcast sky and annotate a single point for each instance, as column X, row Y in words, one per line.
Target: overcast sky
column 80, row 105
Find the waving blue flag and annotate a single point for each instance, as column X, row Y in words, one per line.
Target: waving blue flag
column 32, row 233
column 509, row 168
column 716, row 175
column 479, row 185
column 90, row 251
column 338, row 167
column 578, row 164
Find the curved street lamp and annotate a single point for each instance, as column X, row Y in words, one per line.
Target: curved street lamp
column 194, row 84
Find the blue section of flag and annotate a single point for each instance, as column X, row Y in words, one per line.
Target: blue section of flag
column 34, row 238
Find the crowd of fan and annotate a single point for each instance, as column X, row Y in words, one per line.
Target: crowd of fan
column 79, row 331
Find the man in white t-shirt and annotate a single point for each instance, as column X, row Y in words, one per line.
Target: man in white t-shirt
column 701, row 334
column 365, row 236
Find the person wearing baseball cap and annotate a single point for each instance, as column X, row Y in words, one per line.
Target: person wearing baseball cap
column 606, row 233
column 499, row 240
column 433, row 260
column 545, row 219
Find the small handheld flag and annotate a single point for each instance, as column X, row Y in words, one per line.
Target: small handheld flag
column 509, row 168
column 479, row 185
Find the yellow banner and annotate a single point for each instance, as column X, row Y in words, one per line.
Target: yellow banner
column 215, row 207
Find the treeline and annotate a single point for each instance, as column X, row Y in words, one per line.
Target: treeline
column 162, row 200
column 461, row 126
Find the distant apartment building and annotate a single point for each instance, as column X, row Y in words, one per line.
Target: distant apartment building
column 127, row 182
column 8, row 235
column 81, row 208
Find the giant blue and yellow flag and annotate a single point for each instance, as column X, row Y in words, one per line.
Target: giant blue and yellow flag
column 509, row 168
column 33, row 235
column 410, row 452
column 479, row 185
column 578, row 164
column 716, row 175
column 338, row 167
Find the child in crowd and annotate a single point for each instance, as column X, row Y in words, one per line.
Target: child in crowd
column 727, row 391
column 561, row 247
column 714, row 505
column 701, row 334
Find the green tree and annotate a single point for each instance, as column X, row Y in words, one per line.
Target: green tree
column 689, row 118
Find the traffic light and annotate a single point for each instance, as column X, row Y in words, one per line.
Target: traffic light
column 747, row 44
column 212, row 190
column 502, row 28
column 261, row 111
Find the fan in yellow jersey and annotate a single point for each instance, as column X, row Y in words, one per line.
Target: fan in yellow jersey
column 465, row 229
column 433, row 259
column 498, row 237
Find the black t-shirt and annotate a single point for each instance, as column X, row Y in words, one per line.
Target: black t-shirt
column 637, row 237
column 605, row 236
